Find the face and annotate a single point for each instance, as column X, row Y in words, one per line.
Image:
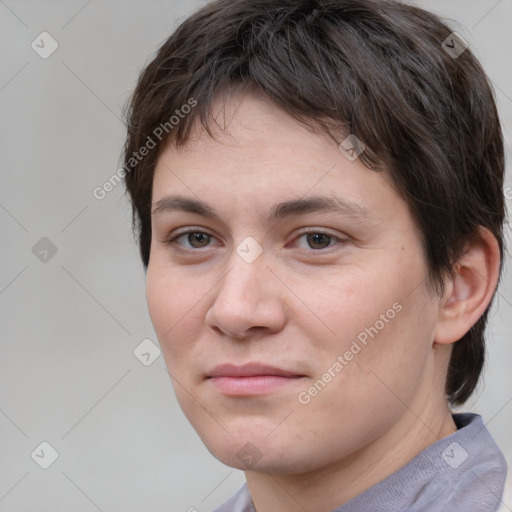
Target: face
column 285, row 285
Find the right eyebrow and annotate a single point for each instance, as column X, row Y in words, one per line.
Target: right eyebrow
column 184, row 204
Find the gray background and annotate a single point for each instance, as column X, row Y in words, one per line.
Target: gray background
column 69, row 326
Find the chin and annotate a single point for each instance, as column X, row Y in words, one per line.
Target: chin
column 249, row 452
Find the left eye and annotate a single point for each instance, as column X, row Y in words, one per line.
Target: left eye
column 318, row 240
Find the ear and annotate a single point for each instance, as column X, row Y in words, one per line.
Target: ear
column 467, row 296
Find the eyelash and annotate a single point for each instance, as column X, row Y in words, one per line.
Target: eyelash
column 173, row 241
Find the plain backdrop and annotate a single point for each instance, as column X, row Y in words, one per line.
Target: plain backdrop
column 72, row 298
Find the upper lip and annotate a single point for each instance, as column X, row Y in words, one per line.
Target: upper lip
column 250, row 370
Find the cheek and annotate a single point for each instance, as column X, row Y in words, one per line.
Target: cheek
column 171, row 306
column 174, row 308
column 347, row 305
column 380, row 380
column 390, row 368
column 378, row 321
column 161, row 300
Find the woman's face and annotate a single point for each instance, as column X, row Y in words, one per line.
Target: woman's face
column 287, row 288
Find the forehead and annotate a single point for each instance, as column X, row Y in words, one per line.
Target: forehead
column 259, row 155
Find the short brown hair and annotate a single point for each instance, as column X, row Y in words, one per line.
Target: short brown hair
column 373, row 68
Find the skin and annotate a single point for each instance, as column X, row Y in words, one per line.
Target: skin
column 300, row 305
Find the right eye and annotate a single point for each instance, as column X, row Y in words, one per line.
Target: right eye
column 194, row 238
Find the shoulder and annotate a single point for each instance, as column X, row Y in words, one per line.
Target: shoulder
column 506, row 499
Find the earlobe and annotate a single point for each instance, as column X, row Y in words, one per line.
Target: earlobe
column 469, row 293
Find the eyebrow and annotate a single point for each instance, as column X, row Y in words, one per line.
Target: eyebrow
column 329, row 204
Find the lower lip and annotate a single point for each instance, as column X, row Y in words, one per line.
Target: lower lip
column 255, row 385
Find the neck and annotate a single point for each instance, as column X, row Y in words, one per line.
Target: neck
column 331, row 486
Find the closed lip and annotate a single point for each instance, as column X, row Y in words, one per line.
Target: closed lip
column 250, row 370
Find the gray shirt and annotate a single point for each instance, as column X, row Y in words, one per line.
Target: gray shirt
column 464, row 472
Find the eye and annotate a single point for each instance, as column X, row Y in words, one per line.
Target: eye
column 317, row 240
column 194, row 239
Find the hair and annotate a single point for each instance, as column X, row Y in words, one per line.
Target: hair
column 376, row 69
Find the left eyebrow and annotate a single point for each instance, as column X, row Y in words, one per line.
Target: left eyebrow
column 329, row 204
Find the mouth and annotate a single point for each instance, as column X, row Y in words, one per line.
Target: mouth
column 250, row 379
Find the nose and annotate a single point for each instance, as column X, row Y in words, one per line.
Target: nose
column 248, row 301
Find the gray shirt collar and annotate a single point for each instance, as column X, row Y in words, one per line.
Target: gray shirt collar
column 464, row 472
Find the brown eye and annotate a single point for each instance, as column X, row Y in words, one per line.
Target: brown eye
column 190, row 240
column 198, row 239
column 318, row 240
